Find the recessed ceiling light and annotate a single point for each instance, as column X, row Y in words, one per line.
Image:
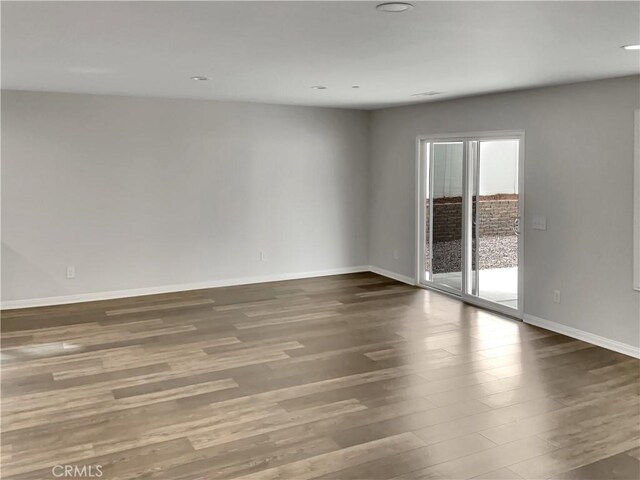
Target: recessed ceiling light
column 355, row 86
column 394, row 7
column 319, row 87
column 92, row 70
column 426, row 94
column 199, row 78
column 631, row 47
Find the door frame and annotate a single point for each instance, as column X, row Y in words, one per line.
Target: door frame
column 421, row 161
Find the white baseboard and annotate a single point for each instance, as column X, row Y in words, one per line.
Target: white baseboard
column 393, row 275
column 584, row 336
column 137, row 292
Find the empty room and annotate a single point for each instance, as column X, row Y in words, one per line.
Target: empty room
column 338, row 240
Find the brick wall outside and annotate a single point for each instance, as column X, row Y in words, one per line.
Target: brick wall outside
column 497, row 216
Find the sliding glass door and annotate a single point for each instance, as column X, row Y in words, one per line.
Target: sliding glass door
column 470, row 208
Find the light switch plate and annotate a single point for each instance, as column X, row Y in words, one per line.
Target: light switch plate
column 539, row 222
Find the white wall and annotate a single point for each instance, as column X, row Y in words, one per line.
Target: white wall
column 141, row 192
column 498, row 167
column 578, row 172
column 498, row 171
column 447, row 170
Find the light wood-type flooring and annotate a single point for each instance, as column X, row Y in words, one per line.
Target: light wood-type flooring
column 343, row 377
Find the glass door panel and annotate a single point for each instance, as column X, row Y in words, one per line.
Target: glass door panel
column 495, row 232
column 445, row 214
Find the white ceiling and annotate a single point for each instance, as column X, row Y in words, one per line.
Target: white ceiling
column 274, row 51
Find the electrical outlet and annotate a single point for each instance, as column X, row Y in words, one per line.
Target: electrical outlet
column 556, row 296
column 396, row 256
column 71, row 271
column 263, row 256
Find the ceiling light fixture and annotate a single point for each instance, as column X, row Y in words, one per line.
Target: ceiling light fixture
column 394, row 7
column 319, row 87
column 355, row 86
column 426, row 94
column 199, row 78
column 631, row 47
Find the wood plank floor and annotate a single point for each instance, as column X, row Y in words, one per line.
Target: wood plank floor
column 343, row 377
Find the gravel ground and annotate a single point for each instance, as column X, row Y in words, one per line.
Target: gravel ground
column 495, row 252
